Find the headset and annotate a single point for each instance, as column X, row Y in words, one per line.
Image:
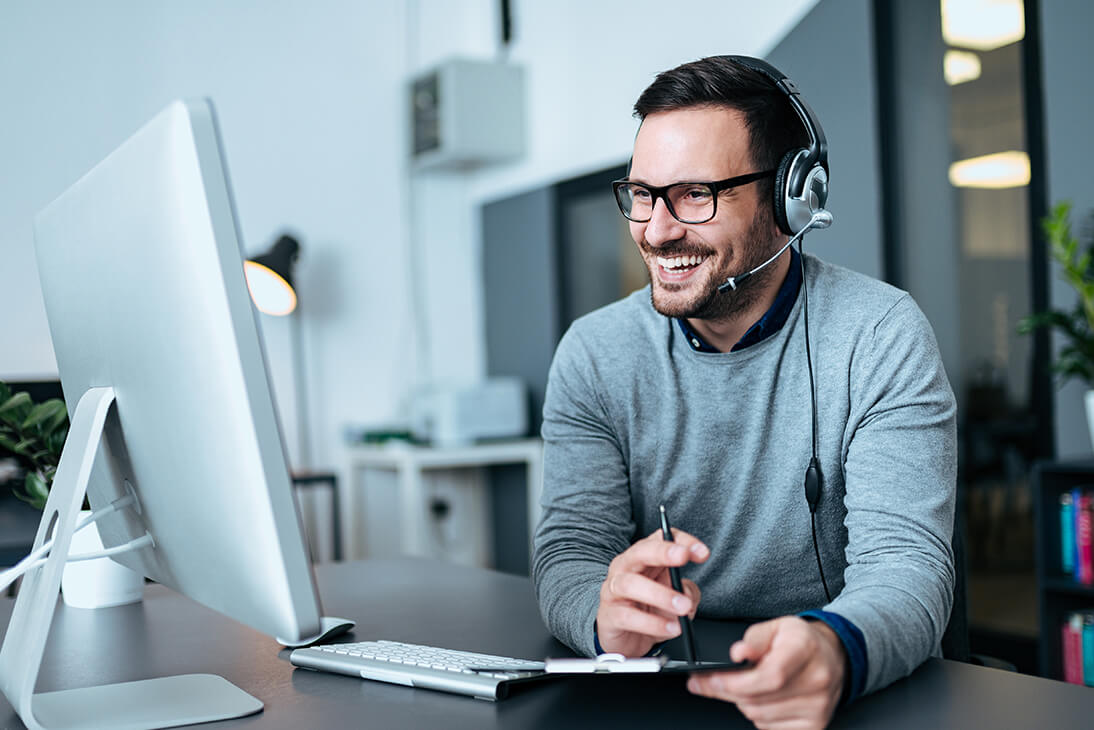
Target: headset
column 801, row 180
column 801, row 190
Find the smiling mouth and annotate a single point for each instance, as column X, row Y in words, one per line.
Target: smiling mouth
column 679, row 264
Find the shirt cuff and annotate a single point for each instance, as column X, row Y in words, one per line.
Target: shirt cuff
column 854, row 644
column 596, row 641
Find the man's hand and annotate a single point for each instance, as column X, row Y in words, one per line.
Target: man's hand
column 797, row 680
column 638, row 607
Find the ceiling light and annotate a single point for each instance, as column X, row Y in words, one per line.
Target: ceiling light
column 982, row 24
column 960, row 66
column 1000, row 170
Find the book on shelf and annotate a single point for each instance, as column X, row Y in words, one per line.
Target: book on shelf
column 1067, row 533
column 1077, row 534
column 1072, row 636
column 1077, row 637
column 1088, row 648
column 1084, row 527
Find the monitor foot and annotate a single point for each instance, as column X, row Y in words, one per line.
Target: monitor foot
column 185, row 699
column 329, row 627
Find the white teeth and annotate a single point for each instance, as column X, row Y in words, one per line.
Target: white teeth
column 680, row 261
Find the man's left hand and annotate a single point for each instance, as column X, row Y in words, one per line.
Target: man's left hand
column 797, row 679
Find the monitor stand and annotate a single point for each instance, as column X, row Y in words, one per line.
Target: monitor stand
column 142, row 705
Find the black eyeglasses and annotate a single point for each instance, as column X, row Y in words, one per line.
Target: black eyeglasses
column 688, row 202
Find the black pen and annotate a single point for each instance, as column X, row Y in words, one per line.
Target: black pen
column 674, row 576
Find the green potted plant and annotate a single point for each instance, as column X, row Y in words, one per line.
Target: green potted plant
column 34, row 435
column 1076, row 357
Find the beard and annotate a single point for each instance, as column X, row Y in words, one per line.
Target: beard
column 710, row 304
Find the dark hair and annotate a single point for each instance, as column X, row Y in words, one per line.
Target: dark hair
column 772, row 124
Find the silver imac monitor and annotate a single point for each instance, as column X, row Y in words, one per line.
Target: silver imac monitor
column 165, row 378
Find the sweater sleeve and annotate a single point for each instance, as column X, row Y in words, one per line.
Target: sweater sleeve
column 900, row 473
column 587, row 517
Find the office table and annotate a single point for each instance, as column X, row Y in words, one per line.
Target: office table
column 410, row 462
column 422, row 601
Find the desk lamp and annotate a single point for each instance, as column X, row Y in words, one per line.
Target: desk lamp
column 269, row 277
column 270, row 281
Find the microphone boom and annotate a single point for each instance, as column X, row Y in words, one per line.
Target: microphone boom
column 821, row 219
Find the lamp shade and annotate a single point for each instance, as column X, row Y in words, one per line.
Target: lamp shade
column 270, row 277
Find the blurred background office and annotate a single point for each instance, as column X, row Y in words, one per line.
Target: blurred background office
column 421, row 271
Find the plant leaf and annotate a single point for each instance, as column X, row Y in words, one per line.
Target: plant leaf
column 55, row 442
column 38, row 504
column 44, row 412
column 36, row 485
column 1051, row 318
column 59, row 420
column 1076, row 359
column 15, row 402
column 37, row 491
column 19, row 495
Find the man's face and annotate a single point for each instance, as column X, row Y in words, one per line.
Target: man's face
column 687, row 262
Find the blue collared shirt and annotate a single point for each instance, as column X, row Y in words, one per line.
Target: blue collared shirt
column 772, row 321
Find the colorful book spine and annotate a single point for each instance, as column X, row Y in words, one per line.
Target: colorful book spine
column 1076, row 493
column 1072, row 635
column 1084, row 532
column 1067, row 533
column 1088, row 648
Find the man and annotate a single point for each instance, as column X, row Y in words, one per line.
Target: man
column 696, row 394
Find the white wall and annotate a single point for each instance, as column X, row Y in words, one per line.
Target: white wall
column 305, row 95
column 587, row 63
column 312, row 110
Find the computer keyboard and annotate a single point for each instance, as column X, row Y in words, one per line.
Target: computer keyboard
column 415, row 665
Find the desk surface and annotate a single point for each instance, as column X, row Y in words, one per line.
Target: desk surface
column 465, row 608
column 395, row 453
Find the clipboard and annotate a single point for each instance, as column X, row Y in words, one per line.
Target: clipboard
column 618, row 664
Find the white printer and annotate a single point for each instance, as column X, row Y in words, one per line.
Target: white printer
column 460, row 414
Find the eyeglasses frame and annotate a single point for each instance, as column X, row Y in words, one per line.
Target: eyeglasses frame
column 660, row 192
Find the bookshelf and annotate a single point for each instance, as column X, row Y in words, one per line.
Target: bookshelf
column 1058, row 593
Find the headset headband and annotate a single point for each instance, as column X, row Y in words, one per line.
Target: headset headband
column 818, row 145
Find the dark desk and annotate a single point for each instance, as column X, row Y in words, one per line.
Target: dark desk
column 464, row 608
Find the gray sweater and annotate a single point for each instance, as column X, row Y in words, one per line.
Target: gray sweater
column 634, row 417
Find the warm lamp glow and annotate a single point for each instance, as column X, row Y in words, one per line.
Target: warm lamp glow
column 1000, row 170
column 269, row 291
column 960, row 66
column 982, row 24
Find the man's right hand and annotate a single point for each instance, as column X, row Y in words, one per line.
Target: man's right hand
column 638, row 607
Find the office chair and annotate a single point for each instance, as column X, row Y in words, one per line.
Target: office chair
column 955, row 639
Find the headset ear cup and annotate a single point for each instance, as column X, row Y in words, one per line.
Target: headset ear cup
column 782, row 176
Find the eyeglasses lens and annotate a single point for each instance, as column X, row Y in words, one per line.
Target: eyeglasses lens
column 687, row 202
